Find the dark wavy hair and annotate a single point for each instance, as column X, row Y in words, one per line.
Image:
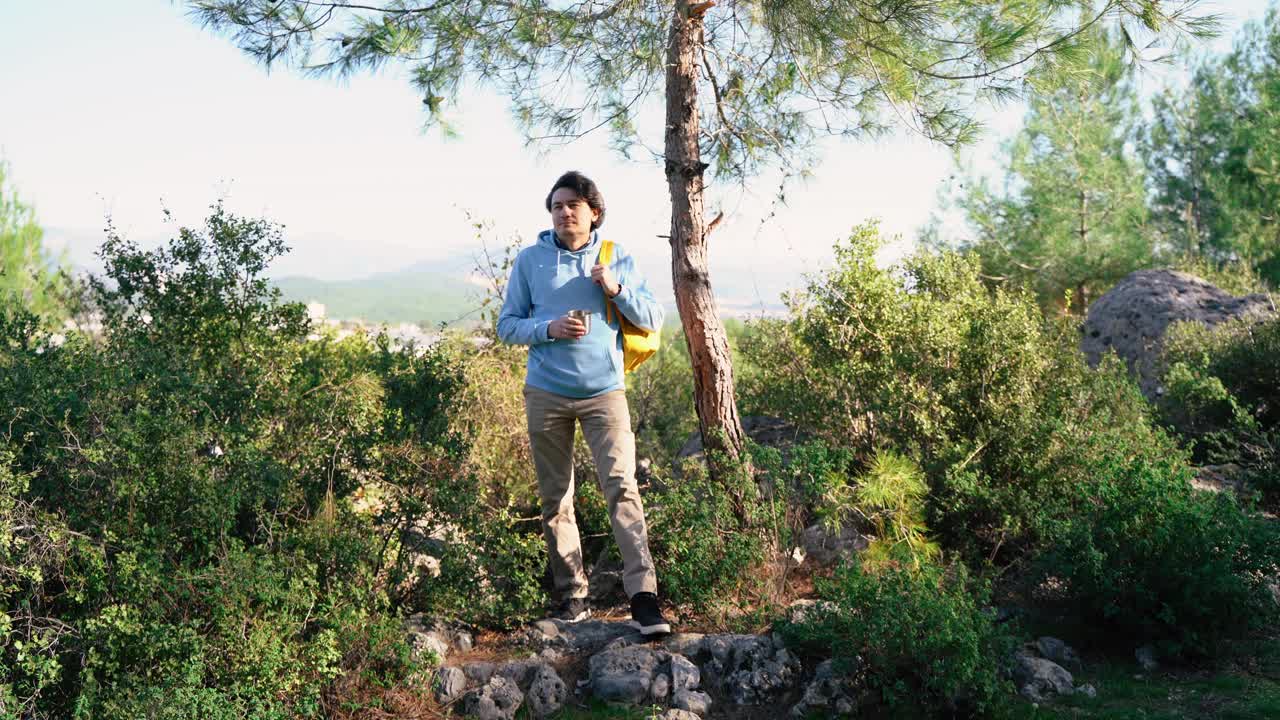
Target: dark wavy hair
column 586, row 189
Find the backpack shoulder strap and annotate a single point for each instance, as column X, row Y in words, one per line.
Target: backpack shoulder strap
column 606, row 255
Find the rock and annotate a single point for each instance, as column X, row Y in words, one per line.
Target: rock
column 581, row 638
column 623, row 675
column 1040, row 676
column 1220, row 478
column 684, row 674
column 802, row 611
column 827, row 547
column 1030, row 692
column 546, row 693
column 450, row 683
column 550, row 629
column 677, row 714
column 499, row 699
column 618, row 643
column 683, row 643
column 429, row 645
column 1133, row 316
column 463, row 641
column 693, row 701
column 827, row 691
column 1088, row 691
column 748, row 669
column 478, row 673
column 1051, row 648
column 660, row 688
column 1146, row 657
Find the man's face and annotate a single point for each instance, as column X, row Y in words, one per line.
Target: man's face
column 570, row 214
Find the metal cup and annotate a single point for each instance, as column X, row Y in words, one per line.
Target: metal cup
column 582, row 315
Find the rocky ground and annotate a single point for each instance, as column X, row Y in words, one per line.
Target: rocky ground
column 539, row 670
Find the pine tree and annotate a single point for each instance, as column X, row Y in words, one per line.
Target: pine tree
column 1071, row 217
column 1213, row 152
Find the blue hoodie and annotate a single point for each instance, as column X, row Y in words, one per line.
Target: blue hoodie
column 548, row 281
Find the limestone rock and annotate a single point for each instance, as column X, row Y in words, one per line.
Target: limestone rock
column 660, row 688
column 749, row 669
column 546, row 693
column 499, row 699
column 1037, row 676
column 1051, row 648
column 479, row 672
column 678, row 714
column 826, row 547
column 450, row 683
column 698, row 703
column 829, row 691
column 684, row 674
column 581, row 638
column 683, row 643
column 426, row 642
column 519, row 672
column 463, row 641
column 623, row 675
column 1133, row 316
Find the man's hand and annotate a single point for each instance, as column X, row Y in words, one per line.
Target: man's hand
column 602, row 276
column 566, row 328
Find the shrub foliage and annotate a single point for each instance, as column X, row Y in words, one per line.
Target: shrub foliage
column 1033, row 459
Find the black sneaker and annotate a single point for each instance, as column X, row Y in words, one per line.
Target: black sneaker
column 571, row 610
column 646, row 616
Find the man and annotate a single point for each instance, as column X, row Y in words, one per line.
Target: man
column 574, row 373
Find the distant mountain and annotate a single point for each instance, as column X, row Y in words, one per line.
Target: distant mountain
column 414, row 295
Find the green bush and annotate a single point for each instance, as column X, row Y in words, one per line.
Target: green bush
column 710, row 538
column 1223, row 395
column 1033, row 459
column 918, row 637
column 213, row 464
column 1155, row 560
column 993, row 401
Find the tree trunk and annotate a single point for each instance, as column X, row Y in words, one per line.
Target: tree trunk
column 708, row 344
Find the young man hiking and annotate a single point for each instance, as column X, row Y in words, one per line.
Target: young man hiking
column 574, row 374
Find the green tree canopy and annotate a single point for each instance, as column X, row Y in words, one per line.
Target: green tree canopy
column 1213, row 152
column 27, row 271
column 1071, row 214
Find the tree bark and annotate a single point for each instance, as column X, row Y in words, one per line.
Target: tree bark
column 708, row 343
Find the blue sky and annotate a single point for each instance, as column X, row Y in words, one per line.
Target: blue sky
column 127, row 107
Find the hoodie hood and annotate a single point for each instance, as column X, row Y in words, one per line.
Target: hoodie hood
column 548, row 239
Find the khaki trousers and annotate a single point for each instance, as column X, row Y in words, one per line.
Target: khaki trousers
column 606, row 425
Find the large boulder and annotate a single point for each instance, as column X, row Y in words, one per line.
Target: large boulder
column 1037, row 677
column 1132, row 318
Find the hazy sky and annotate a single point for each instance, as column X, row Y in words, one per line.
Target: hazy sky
column 127, row 107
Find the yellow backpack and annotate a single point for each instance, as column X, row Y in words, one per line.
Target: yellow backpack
column 638, row 344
